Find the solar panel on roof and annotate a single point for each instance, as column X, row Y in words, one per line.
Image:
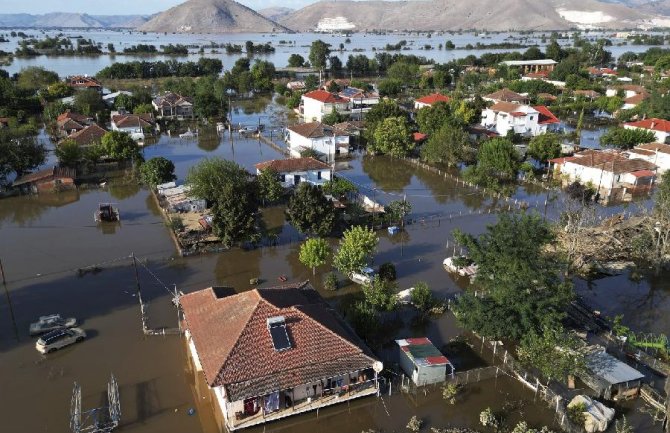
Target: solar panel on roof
column 277, row 328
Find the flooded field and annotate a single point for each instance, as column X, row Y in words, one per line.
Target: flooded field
column 45, row 240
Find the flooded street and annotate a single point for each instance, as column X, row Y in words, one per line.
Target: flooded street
column 46, row 239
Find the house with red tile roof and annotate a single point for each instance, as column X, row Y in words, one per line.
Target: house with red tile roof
column 83, row 82
column 324, row 139
column 506, row 95
column 503, row 117
column 612, row 173
column 138, row 126
column 88, row 136
column 318, row 103
column 429, row 100
column 70, row 122
column 270, row 353
column 293, row 171
column 660, row 127
column 423, row 362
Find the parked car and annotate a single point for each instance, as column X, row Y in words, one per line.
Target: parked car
column 58, row 339
column 50, row 323
column 364, row 276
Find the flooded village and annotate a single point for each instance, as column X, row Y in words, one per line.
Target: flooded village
column 338, row 234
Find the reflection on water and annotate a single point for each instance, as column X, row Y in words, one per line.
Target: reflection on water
column 388, row 175
column 21, row 210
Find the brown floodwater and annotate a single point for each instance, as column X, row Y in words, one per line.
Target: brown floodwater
column 45, row 240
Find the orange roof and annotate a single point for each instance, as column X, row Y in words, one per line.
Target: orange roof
column 236, row 350
column 292, row 164
column 654, row 147
column 653, row 124
column 636, row 99
column 419, row 136
column 643, row 173
column 91, row 134
column 506, row 95
column 433, row 99
column 325, row 97
column 546, row 116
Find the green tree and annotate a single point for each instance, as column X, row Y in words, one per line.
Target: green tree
column 626, row 138
column 89, row 102
column 318, row 54
column 392, row 137
column 296, row 61
column 449, row 145
column 314, row 252
column 553, row 352
column 234, row 195
column 522, row 289
column 422, row 299
column 339, row 187
column 545, row 147
column 432, row 119
column 68, row 153
column 380, row 294
column 397, row 210
column 310, row 211
column 262, row 73
column 386, row 108
column 143, row 109
column 390, row 87
column 156, row 171
column 118, row 145
column 332, row 118
column 356, row 249
column 19, row 154
column 34, row 78
column 270, row 188
column 497, row 164
column 404, row 72
column 58, row 89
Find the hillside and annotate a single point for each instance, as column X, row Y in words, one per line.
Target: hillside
column 66, row 19
column 211, row 16
column 494, row 15
column 660, row 7
column 275, row 13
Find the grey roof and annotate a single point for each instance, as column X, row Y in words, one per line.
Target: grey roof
column 529, row 62
column 610, row 369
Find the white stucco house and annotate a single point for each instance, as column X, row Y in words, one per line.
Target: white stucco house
column 269, row 353
column 655, row 153
column 293, row 171
column 611, row 173
column 503, row 117
column 319, row 137
column 318, row 103
column 660, row 128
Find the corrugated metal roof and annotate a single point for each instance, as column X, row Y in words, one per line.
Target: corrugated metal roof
column 611, row 369
column 422, row 351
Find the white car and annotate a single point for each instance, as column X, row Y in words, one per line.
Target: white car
column 58, row 339
column 364, row 276
column 50, row 323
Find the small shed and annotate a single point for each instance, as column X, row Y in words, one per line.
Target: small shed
column 47, row 180
column 422, row 361
column 611, row 378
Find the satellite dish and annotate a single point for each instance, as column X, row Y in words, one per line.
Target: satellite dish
column 378, row 366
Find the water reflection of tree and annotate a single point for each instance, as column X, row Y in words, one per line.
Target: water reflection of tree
column 24, row 209
column 124, row 191
column 208, row 139
column 255, row 105
column 388, row 174
column 445, row 190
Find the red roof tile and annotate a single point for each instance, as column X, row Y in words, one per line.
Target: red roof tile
column 316, row 130
column 506, row 95
column 437, row 360
column 90, row 135
column 292, row 164
column 643, row 173
column 546, row 116
column 419, row 137
column 613, row 162
column 433, row 99
column 46, row 174
column 325, row 97
column 236, row 350
column 655, row 147
column 653, row 124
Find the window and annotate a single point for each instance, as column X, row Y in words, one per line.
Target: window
column 282, row 178
column 318, row 175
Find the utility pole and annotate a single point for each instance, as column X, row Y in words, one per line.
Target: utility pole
column 139, row 293
column 9, row 301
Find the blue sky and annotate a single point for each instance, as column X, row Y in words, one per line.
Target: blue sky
column 120, row 7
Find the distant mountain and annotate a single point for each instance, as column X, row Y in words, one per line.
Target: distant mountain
column 67, row 19
column 496, row 15
column 275, row 13
column 211, row 16
column 660, row 7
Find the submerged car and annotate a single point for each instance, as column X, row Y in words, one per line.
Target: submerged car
column 50, row 323
column 364, row 276
column 58, row 339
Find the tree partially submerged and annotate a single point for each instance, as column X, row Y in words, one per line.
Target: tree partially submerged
column 314, row 252
column 356, row 249
column 157, row 171
column 310, row 211
column 522, row 290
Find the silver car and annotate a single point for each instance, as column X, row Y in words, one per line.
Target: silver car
column 58, row 339
column 50, row 323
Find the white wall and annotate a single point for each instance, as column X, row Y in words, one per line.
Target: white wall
column 325, row 145
column 585, row 175
column 661, row 160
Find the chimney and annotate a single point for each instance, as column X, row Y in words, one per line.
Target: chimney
column 653, row 124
